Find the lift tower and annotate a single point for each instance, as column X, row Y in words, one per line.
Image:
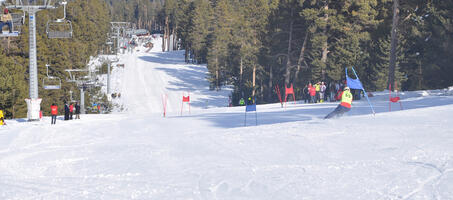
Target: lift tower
column 32, row 7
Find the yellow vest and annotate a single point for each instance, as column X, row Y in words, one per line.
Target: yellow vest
column 1, row 116
column 346, row 99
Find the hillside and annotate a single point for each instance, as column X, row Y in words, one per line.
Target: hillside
column 291, row 154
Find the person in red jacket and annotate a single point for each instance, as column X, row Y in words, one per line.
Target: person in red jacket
column 312, row 91
column 54, row 113
column 71, row 110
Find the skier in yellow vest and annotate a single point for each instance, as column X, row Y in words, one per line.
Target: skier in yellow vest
column 345, row 105
column 2, row 118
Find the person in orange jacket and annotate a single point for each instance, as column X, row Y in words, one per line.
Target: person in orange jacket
column 71, row 111
column 345, row 105
column 54, row 113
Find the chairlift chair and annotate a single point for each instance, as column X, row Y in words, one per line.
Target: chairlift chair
column 51, row 82
column 60, row 28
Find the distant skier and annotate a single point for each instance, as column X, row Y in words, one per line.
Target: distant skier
column 345, row 105
column 54, row 113
column 71, row 111
column 77, row 110
column 66, row 111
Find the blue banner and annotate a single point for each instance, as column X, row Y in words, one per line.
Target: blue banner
column 353, row 83
column 250, row 108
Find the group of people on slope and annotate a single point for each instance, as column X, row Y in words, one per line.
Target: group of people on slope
column 321, row 92
column 6, row 19
column 69, row 110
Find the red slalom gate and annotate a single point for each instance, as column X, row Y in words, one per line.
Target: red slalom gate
column 289, row 91
column 394, row 99
column 185, row 99
column 164, row 103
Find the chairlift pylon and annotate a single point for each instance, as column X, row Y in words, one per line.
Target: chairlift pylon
column 59, row 28
column 51, row 82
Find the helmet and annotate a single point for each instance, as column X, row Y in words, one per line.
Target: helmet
column 346, row 88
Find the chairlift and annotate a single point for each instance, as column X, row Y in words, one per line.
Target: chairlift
column 60, row 28
column 17, row 21
column 51, row 82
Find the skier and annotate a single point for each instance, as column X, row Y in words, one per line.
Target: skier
column 345, row 105
column 54, row 113
column 2, row 118
column 71, row 111
column 66, row 111
column 77, row 110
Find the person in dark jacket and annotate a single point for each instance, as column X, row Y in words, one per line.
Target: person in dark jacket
column 306, row 94
column 66, row 111
column 77, row 110
column 54, row 113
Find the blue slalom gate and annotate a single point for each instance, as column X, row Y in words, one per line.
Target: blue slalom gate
column 356, row 84
column 251, row 108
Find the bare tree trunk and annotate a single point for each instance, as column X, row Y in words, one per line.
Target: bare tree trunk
column 271, row 86
column 174, row 38
column 217, row 72
column 394, row 43
column 288, row 59
column 261, row 90
column 420, row 72
column 254, row 73
column 253, row 80
column 301, row 57
column 165, row 34
column 168, row 33
column 325, row 45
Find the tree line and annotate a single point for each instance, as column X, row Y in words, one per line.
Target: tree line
column 90, row 23
column 256, row 45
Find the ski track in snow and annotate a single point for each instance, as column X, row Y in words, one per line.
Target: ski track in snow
column 291, row 154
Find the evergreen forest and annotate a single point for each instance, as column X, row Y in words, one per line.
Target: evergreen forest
column 252, row 45
column 256, row 45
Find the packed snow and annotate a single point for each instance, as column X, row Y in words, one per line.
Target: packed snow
column 209, row 154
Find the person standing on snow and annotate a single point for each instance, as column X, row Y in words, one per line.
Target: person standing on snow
column 2, row 118
column 66, row 111
column 77, row 110
column 306, row 94
column 322, row 91
column 54, row 113
column 71, row 111
column 345, row 105
column 312, row 91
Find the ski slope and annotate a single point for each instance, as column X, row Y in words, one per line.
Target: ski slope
column 209, row 155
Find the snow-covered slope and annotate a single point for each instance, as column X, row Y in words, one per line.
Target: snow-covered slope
column 151, row 78
column 291, row 154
